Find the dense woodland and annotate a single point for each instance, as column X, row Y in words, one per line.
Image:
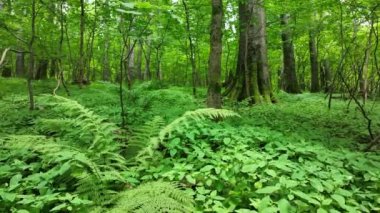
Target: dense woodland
column 189, row 106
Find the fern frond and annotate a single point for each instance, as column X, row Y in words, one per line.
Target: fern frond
column 154, row 197
column 197, row 115
column 142, row 137
column 80, row 123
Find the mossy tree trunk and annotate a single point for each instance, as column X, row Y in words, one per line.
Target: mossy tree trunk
column 251, row 80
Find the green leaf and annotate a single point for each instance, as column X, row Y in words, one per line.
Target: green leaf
column 315, row 183
column 306, row 197
column 22, row 211
column 250, row 168
column 268, row 190
column 326, row 202
column 59, row 207
column 207, row 168
column 321, row 210
column 8, row 196
column 339, row 199
column 190, row 179
column 14, row 182
column 271, row 172
column 227, row 141
column 284, row 206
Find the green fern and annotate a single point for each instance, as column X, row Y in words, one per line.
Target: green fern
column 154, row 197
column 79, row 123
column 144, row 137
column 197, row 115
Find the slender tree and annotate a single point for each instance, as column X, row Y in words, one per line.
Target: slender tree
column 314, row 63
column 192, row 48
column 81, row 65
column 31, row 57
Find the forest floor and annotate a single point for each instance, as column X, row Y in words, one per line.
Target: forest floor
column 296, row 154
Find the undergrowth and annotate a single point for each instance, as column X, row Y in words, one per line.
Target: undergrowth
column 71, row 155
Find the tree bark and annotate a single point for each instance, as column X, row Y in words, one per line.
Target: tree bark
column 363, row 77
column 290, row 82
column 263, row 67
column 54, row 70
column 81, row 64
column 42, row 68
column 20, row 65
column 325, row 75
column 147, row 54
column 214, row 98
column 106, row 69
column 192, row 50
column 314, row 63
column 252, row 79
column 31, row 57
column 139, row 62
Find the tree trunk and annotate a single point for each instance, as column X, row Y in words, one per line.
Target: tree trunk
column 158, row 64
column 314, row 63
column 214, row 98
column 290, row 82
column 20, row 65
column 192, row 50
column 139, row 62
column 31, row 57
column 147, row 73
column 325, row 75
column 54, row 70
column 251, row 80
column 81, row 64
column 363, row 78
column 131, row 65
column 42, row 69
column 106, row 63
column 263, row 67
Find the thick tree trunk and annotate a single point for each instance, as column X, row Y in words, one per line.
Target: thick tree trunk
column 289, row 77
column 214, row 98
column 42, row 69
column 20, row 65
column 314, row 63
column 263, row 67
column 252, row 79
